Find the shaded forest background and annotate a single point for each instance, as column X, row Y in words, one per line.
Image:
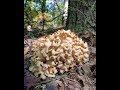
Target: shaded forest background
column 46, row 16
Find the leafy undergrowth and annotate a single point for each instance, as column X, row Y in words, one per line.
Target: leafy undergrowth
column 82, row 77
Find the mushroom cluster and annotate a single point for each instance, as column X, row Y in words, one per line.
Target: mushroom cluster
column 57, row 53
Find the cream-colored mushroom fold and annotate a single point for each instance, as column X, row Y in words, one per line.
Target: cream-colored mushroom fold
column 57, row 53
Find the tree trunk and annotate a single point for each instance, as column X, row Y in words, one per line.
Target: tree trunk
column 43, row 11
column 65, row 12
column 80, row 15
column 72, row 14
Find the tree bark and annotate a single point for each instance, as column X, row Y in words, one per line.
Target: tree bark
column 65, row 11
column 80, row 13
column 72, row 14
column 43, row 11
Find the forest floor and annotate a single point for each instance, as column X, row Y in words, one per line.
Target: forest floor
column 82, row 77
